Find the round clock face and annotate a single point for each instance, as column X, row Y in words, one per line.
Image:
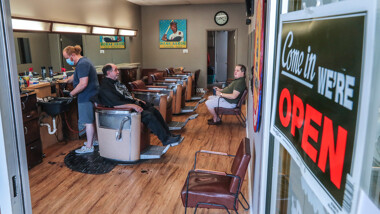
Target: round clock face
column 221, row 18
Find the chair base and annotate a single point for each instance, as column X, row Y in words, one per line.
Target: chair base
column 176, row 125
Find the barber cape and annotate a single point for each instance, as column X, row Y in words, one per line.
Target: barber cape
column 122, row 89
column 177, row 36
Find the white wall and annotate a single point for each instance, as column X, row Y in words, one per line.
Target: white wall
column 200, row 18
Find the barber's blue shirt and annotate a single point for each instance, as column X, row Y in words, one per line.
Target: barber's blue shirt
column 85, row 68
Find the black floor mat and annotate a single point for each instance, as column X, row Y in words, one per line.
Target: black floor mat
column 90, row 163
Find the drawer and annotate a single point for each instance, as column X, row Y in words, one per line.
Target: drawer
column 30, row 115
column 28, row 103
column 34, row 153
column 31, row 131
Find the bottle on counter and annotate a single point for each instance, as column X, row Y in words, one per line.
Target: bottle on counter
column 51, row 72
column 43, row 72
column 64, row 73
column 21, row 82
column 30, row 75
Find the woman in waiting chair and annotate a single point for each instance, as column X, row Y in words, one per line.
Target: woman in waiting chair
column 227, row 97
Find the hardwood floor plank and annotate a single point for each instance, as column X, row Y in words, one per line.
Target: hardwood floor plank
column 152, row 186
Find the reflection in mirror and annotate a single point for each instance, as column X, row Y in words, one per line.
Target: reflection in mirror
column 23, row 56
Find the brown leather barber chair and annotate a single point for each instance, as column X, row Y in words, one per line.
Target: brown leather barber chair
column 159, row 96
column 123, row 137
column 155, row 95
column 234, row 111
column 185, row 80
column 218, row 190
column 180, row 106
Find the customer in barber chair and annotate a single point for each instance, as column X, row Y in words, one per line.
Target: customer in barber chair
column 114, row 94
column 227, row 97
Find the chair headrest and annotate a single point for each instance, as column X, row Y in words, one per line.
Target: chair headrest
column 138, row 84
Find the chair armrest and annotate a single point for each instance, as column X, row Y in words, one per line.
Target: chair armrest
column 210, row 172
column 119, row 109
column 156, row 86
column 209, row 152
column 171, row 77
column 164, row 81
column 146, row 90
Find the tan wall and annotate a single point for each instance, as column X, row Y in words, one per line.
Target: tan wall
column 115, row 13
column 200, row 18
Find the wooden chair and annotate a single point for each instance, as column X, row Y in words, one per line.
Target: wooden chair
column 234, row 111
column 215, row 189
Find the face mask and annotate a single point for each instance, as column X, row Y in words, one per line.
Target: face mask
column 69, row 62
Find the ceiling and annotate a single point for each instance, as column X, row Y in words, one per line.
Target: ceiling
column 186, row 2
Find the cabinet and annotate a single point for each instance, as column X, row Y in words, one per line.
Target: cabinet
column 31, row 129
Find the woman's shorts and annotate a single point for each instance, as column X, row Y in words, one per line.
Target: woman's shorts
column 86, row 113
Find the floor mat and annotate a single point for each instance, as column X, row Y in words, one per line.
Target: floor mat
column 90, row 163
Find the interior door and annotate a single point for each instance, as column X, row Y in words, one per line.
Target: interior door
column 221, row 40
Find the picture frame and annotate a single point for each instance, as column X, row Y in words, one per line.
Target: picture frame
column 173, row 33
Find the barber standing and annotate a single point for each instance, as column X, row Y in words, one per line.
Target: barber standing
column 86, row 85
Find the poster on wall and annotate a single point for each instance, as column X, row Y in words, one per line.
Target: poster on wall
column 258, row 61
column 173, row 33
column 111, row 42
column 316, row 101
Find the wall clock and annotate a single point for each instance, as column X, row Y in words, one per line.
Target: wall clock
column 221, row 18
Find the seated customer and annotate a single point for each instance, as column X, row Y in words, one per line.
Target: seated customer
column 114, row 94
column 229, row 96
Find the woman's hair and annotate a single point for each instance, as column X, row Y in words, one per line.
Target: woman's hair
column 73, row 49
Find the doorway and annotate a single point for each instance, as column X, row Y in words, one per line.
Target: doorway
column 70, row 39
column 220, row 56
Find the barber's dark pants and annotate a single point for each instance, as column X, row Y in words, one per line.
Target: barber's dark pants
column 152, row 118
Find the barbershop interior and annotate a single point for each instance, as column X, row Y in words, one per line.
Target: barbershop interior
column 182, row 106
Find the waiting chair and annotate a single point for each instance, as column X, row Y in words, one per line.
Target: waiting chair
column 215, row 189
column 234, row 111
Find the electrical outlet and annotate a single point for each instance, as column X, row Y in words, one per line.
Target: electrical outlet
column 185, row 51
column 102, row 51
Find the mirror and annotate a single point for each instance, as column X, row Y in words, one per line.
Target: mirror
column 23, row 51
column 46, row 50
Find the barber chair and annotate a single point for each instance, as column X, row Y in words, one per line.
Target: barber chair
column 234, row 111
column 196, row 93
column 155, row 95
column 215, row 189
column 185, row 80
column 179, row 107
column 122, row 137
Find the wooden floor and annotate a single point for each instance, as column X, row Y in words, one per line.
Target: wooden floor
column 150, row 187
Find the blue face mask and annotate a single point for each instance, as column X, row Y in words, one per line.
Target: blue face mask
column 69, row 62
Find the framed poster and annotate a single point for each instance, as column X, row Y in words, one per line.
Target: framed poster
column 258, row 62
column 173, row 33
column 316, row 100
column 111, row 42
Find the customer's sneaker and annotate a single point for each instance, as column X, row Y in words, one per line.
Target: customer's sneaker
column 84, row 150
column 94, row 143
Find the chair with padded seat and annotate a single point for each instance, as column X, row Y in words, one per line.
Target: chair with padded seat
column 215, row 189
column 220, row 111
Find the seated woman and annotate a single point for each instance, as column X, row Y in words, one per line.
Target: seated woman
column 229, row 96
column 114, row 94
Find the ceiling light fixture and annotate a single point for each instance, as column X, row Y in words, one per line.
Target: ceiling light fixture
column 103, row 31
column 30, row 25
column 70, row 28
column 123, row 32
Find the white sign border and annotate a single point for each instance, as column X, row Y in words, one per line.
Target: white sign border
column 335, row 9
